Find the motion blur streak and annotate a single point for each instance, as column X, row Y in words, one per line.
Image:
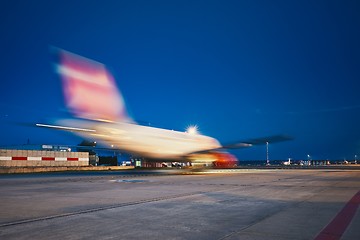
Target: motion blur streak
column 92, row 96
column 89, row 89
column 65, row 128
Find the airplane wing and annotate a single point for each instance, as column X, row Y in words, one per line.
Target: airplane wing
column 71, row 129
column 248, row 143
column 258, row 141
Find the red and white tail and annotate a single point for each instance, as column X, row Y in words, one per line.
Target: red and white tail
column 89, row 89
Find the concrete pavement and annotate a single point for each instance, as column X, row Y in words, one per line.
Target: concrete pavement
column 240, row 204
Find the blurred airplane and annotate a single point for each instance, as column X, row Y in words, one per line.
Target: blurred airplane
column 287, row 163
column 93, row 98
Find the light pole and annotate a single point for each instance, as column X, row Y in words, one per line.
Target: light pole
column 267, row 153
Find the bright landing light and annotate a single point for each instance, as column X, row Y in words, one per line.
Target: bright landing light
column 192, row 130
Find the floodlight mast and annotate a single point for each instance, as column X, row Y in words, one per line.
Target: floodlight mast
column 267, row 153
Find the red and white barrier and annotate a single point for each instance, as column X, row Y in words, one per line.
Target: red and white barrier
column 42, row 158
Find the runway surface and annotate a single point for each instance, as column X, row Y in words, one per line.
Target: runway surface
column 237, row 204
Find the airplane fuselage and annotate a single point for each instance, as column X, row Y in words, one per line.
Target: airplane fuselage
column 144, row 140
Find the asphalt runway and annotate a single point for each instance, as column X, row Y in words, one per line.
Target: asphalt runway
column 222, row 204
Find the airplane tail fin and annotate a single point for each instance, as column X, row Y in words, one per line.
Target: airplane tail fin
column 89, row 89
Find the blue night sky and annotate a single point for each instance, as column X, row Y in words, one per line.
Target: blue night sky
column 237, row 69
